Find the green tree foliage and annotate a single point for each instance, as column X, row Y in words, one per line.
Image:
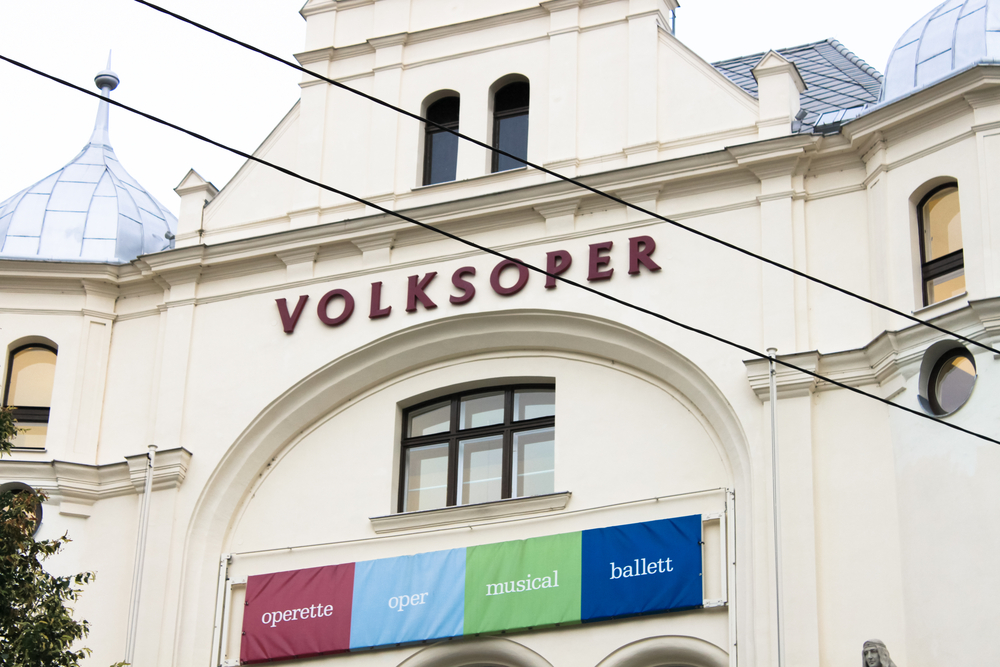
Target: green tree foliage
column 37, row 628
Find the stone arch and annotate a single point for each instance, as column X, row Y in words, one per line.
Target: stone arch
column 478, row 652
column 339, row 381
column 668, row 651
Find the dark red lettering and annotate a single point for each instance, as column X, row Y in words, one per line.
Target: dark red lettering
column 556, row 263
column 288, row 322
column 324, row 302
column 597, row 260
column 468, row 289
column 522, row 278
column 415, row 292
column 639, row 250
column 376, row 309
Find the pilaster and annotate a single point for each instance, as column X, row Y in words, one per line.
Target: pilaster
column 388, row 75
column 176, row 325
column 643, row 41
column 95, row 348
column 785, row 318
column 564, row 41
column 796, row 501
column 986, row 109
column 878, row 242
column 312, row 141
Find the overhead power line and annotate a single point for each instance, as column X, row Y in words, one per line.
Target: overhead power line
column 491, row 251
column 619, row 200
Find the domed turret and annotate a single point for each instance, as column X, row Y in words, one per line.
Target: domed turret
column 91, row 210
column 951, row 37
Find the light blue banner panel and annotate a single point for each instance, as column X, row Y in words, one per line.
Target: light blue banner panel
column 408, row 599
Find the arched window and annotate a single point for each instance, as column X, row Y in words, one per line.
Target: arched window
column 441, row 147
column 510, row 125
column 942, row 263
column 477, row 447
column 28, row 387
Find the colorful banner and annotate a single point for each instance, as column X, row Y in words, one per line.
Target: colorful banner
column 639, row 568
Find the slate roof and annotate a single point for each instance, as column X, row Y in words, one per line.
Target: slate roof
column 836, row 79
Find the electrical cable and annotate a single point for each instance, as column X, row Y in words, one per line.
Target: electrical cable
column 487, row 250
column 635, row 207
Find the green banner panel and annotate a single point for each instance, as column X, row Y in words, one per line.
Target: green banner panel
column 523, row 584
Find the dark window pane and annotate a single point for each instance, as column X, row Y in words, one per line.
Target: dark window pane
column 512, row 137
column 441, row 147
column 512, row 96
column 442, row 157
column 444, row 111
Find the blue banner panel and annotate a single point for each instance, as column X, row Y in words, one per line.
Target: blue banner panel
column 642, row 568
column 408, row 599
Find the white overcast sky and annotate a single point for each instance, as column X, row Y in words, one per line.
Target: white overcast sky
column 218, row 89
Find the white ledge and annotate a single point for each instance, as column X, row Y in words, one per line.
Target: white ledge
column 447, row 516
column 78, row 485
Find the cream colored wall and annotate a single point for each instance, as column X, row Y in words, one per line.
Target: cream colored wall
column 886, row 528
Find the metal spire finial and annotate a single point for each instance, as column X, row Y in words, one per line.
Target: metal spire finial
column 107, row 81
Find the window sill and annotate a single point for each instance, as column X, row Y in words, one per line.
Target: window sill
column 944, row 306
column 448, row 516
column 472, row 179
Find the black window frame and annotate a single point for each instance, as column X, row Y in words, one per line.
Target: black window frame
column 430, row 131
column 501, row 115
column 454, row 434
column 930, row 270
column 33, row 414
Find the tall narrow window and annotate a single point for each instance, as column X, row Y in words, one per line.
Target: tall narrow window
column 441, row 147
column 510, row 125
column 31, row 370
column 942, row 263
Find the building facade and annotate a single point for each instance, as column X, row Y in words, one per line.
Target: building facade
column 326, row 384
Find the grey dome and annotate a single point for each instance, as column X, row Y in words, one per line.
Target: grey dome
column 91, row 210
column 951, row 37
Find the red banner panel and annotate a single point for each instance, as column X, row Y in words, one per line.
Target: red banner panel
column 298, row 614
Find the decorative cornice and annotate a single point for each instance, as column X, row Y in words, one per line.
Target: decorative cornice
column 470, row 514
column 80, row 485
column 890, row 355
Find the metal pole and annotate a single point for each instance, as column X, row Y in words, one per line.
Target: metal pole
column 218, row 635
column 140, row 554
column 772, row 353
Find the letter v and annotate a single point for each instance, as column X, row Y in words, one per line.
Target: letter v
column 289, row 321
